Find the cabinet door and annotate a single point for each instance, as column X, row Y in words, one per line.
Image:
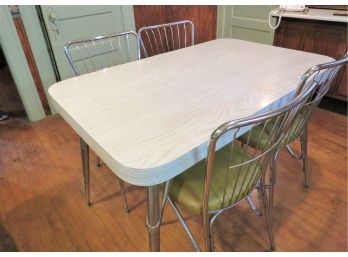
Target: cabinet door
column 321, row 37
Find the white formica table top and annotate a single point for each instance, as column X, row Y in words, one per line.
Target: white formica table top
column 314, row 14
column 150, row 120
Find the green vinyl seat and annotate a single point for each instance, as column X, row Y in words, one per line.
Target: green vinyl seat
column 259, row 138
column 228, row 186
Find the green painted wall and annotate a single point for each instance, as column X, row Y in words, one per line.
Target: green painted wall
column 245, row 22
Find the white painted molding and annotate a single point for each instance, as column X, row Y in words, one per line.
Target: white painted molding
column 39, row 48
column 18, row 65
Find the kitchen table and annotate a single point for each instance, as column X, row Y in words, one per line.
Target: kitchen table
column 150, row 120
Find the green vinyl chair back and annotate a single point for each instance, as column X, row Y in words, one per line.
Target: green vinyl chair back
column 92, row 54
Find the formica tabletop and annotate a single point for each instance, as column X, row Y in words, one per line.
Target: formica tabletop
column 151, row 119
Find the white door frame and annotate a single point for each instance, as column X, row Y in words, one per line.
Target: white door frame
column 18, row 65
column 39, row 48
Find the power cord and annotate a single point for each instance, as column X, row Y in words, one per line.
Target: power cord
column 279, row 19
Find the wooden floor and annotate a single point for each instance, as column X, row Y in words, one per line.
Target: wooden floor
column 42, row 203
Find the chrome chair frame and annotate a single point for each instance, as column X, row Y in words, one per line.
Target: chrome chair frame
column 84, row 147
column 72, row 62
column 163, row 43
column 288, row 113
column 322, row 76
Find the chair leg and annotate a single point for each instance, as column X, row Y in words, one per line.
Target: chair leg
column 123, row 191
column 212, row 219
column 184, row 225
column 272, row 179
column 267, row 216
column 124, row 197
column 85, row 168
column 212, row 247
column 208, row 219
column 98, row 162
column 252, row 205
column 304, row 142
column 259, row 195
column 208, row 237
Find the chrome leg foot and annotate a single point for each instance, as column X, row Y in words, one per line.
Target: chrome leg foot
column 85, row 168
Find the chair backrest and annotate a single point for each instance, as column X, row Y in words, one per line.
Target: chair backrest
column 167, row 37
column 323, row 75
column 92, row 54
column 246, row 163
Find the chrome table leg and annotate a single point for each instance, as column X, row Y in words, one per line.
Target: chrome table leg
column 153, row 217
column 123, row 194
column 85, row 168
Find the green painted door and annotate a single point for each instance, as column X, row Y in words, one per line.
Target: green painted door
column 245, row 22
column 65, row 23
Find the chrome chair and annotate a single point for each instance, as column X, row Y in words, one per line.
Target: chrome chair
column 231, row 171
column 167, row 37
column 322, row 77
column 92, row 54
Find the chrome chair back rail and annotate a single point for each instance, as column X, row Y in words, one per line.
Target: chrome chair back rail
column 92, row 54
column 167, row 37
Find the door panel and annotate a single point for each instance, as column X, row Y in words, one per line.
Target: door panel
column 66, row 23
column 246, row 23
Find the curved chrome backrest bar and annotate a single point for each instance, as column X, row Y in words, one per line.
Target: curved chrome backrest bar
column 317, row 82
column 248, row 168
column 105, row 42
column 337, row 64
column 323, row 75
column 165, row 37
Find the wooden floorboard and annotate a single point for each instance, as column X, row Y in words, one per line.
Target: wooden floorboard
column 42, row 203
